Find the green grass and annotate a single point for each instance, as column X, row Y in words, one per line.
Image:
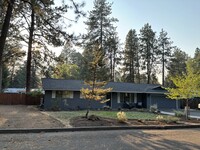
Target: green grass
column 67, row 115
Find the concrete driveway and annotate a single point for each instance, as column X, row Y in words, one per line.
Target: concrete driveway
column 21, row 116
column 193, row 112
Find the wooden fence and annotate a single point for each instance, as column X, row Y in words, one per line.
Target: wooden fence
column 19, row 99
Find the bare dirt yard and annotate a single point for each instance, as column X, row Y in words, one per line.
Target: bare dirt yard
column 81, row 122
column 21, row 116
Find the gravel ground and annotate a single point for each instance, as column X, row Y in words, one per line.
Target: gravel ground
column 21, row 116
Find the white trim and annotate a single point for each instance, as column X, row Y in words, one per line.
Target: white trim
column 111, row 100
column 53, row 94
column 135, row 98
column 81, row 96
column 71, row 94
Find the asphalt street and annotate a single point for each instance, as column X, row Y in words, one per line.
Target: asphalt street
column 104, row 140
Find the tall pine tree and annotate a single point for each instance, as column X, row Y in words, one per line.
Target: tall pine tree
column 99, row 30
column 149, row 52
column 165, row 51
column 131, row 58
column 176, row 66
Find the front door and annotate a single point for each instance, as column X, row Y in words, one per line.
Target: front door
column 108, row 96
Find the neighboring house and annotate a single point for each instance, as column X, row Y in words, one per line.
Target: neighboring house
column 66, row 95
column 14, row 90
column 19, row 90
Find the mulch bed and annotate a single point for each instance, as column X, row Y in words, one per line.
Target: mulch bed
column 83, row 122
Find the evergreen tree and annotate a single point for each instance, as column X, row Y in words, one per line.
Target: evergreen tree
column 148, row 50
column 66, row 71
column 19, row 80
column 131, row 58
column 20, row 76
column 4, row 32
column 99, row 23
column 66, row 53
column 176, row 66
column 165, row 48
column 88, row 56
column 96, row 90
column 43, row 23
column 5, row 77
column 99, row 29
column 196, row 61
column 113, row 55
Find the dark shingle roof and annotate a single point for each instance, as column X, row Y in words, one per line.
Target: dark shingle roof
column 76, row 85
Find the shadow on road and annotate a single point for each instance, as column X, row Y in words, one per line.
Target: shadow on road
column 162, row 140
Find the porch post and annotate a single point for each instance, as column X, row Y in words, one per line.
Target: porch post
column 176, row 104
column 111, row 99
column 135, row 98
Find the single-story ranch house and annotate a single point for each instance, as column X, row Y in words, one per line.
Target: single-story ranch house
column 66, row 95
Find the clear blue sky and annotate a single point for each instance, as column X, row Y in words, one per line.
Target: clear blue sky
column 180, row 18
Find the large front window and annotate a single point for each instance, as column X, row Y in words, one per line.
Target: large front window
column 67, row 94
column 62, row 94
column 125, row 98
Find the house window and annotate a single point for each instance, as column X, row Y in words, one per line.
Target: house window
column 58, row 94
column 67, row 94
column 62, row 94
column 121, row 97
column 127, row 97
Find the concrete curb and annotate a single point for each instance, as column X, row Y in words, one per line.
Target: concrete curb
column 103, row 128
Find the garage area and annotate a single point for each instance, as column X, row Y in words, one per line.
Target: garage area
column 162, row 102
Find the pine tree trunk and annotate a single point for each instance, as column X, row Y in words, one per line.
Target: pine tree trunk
column 87, row 113
column 3, row 36
column 163, row 66
column 29, row 56
column 114, row 61
column 148, row 65
column 1, row 76
column 111, row 67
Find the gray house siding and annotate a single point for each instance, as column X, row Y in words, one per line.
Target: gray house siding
column 47, row 99
column 161, row 101
column 114, row 103
column 69, row 103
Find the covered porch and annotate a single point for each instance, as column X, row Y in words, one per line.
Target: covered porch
column 127, row 100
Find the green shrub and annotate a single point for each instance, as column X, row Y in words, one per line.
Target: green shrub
column 35, row 93
column 121, row 117
column 178, row 113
